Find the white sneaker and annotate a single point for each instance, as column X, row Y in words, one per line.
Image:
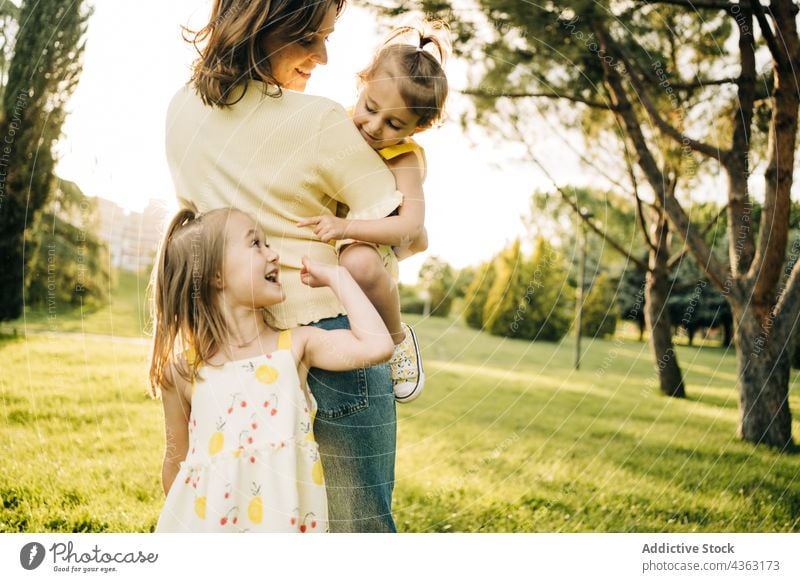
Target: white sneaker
column 408, row 376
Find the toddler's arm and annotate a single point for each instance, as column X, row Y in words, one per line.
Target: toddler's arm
column 402, row 230
column 176, row 421
column 366, row 343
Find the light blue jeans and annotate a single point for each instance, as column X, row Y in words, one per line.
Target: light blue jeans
column 356, row 428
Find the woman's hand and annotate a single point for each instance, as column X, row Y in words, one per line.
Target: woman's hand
column 326, row 227
column 320, row 275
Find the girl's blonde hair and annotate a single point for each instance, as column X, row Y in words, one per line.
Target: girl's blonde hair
column 417, row 67
column 232, row 46
column 184, row 295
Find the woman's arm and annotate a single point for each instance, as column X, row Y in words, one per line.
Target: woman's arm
column 176, row 422
column 366, row 343
column 401, row 230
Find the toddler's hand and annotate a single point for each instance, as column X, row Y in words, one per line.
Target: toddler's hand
column 326, row 227
column 318, row 274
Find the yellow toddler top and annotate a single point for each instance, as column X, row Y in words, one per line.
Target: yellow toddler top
column 280, row 160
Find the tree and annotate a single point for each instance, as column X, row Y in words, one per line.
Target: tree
column 70, row 265
column 599, row 315
column 42, row 75
column 669, row 88
column 630, row 297
column 530, row 298
column 438, row 279
column 477, row 293
column 501, row 314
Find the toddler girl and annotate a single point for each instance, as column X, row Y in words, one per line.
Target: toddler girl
column 240, row 452
column 403, row 91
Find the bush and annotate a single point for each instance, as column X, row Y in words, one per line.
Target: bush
column 599, row 312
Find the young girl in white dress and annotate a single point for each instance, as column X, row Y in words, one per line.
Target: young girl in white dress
column 240, row 452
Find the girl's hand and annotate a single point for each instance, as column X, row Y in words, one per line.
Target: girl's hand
column 326, row 227
column 319, row 275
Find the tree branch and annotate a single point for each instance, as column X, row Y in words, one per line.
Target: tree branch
column 702, row 83
column 693, row 4
column 786, row 312
column 641, row 92
column 702, row 253
column 677, row 258
column 526, row 95
column 765, row 270
column 775, row 49
column 587, row 221
column 740, row 244
column 639, row 210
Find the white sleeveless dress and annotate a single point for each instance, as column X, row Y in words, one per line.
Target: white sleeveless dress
column 253, row 464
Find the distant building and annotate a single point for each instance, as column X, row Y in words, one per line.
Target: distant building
column 132, row 237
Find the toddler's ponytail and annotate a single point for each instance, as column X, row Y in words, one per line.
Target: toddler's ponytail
column 415, row 55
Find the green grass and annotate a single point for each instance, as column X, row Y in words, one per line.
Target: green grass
column 507, row 437
column 124, row 315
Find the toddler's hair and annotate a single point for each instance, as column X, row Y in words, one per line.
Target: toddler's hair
column 184, row 294
column 417, row 68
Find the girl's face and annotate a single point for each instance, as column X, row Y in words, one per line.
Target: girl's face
column 381, row 115
column 250, row 269
column 292, row 63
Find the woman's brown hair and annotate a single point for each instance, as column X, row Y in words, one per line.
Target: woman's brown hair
column 232, row 46
column 184, row 295
column 418, row 68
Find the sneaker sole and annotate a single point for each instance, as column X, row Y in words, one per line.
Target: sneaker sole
column 414, row 394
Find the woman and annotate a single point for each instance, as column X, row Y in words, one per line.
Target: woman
column 243, row 134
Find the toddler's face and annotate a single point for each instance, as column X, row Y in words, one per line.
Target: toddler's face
column 381, row 115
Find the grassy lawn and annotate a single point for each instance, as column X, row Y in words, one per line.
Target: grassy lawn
column 507, row 437
column 125, row 314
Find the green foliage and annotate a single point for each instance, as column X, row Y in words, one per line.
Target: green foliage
column 69, row 265
column 42, row 75
column 501, row 310
column 599, row 317
column 437, row 277
column 410, row 301
column 529, row 298
column 477, row 293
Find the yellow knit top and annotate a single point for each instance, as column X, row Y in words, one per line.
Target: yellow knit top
column 280, row 160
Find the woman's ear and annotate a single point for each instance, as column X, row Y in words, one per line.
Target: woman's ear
column 218, row 281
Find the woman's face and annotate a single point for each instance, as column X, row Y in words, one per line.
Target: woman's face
column 292, row 63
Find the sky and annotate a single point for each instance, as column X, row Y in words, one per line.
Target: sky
column 135, row 60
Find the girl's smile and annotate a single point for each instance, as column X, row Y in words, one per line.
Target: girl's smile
column 251, row 273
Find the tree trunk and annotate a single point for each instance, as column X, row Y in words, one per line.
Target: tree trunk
column 657, row 291
column 763, row 380
column 727, row 336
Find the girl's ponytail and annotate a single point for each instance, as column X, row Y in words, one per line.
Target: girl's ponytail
column 168, row 300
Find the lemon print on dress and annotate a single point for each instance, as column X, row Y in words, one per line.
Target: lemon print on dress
column 266, row 374
column 217, row 440
column 200, row 507
column 316, row 470
column 255, row 509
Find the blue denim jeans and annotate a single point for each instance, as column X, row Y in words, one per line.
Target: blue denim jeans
column 356, row 428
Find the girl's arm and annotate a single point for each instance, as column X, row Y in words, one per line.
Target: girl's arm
column 401, row 230
column 176, row 421
column 366, row 343
column 417, row 246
